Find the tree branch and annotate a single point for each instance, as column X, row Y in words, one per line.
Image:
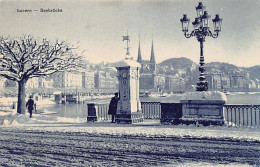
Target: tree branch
column 30, row 59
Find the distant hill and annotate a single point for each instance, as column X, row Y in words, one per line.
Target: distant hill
column 254, row 72
column 212, row 67
column 179, row 63
column 222, row 65
column 185, row 65
column 225, row 68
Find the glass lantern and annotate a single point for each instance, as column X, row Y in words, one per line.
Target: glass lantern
column 217, row 21
column 185, row 23
column 197, row 23
column 204, row 19
column 200, row 8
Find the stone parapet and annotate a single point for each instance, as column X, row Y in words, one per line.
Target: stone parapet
column 134, row 117
column 171, row 113
column 205, row 112
column 92, row 114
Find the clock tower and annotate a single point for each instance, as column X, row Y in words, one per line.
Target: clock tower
column 129, row 106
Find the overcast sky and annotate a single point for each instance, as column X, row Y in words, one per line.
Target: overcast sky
column 100, row 25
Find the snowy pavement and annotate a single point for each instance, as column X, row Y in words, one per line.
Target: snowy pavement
column 47, row 139
column 149, row 128
column 19, row 147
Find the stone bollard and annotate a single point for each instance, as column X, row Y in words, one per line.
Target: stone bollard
column 92, row 113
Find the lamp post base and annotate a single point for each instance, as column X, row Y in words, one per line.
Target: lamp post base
column 203, row 107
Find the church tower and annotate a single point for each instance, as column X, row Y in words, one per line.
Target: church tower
column 139, row 58
column 152, row 63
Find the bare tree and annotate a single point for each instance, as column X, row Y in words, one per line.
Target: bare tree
column 25, row 58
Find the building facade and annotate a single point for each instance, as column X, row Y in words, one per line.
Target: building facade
column 88, row 80
column 67, row 80
column 104, row 82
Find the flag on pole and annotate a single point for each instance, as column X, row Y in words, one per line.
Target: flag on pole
column 126, row 38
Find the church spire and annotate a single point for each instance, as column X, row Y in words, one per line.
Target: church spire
column 152, row 59
column 139, row 58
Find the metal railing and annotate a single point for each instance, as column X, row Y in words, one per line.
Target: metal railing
column 242, row 115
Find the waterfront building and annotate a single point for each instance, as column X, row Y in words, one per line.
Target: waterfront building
column 174, row 83
column 104, row 82
column 45, row 82
column 88, row 80
column 67, row 79
column 218, row 81
column 32, row 83
column 238, row 81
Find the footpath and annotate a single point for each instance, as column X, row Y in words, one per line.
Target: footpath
column 149, row 128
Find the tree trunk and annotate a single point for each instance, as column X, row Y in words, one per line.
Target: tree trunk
column 21, row 97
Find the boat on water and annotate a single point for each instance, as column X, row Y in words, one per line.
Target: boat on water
column 45, row 112
column 226, row 92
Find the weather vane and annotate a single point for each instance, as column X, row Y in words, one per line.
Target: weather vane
column 127, row 46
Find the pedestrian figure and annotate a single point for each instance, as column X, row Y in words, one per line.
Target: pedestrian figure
column 13, row 106
column 113, row 107
column 30, row 104
column 35, row 107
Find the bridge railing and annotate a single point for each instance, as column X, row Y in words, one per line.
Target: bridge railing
column 242, row 115
column 7, row 105
column 151, row 110
column 102, row 112
column 234, row 115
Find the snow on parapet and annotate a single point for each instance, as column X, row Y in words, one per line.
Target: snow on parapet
column 204, row 95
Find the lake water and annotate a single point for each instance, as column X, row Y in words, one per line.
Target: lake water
column 80, row 110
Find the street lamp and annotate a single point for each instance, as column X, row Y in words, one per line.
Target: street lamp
column 201, row 30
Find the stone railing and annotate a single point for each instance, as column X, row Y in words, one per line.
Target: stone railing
column 8, row 105
column 242, row 115
column 151, row 110
column 233, row 115
column 99, row 112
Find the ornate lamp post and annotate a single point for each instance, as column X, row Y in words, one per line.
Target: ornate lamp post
column 201, row 30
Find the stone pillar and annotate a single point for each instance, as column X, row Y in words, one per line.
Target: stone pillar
column 129, row 106
column 92, row 113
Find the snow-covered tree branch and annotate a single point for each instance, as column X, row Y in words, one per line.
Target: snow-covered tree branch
column 24, row 58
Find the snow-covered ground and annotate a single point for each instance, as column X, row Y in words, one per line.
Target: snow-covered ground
column 45, row 121
column 49, row 123
column 150, row 128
